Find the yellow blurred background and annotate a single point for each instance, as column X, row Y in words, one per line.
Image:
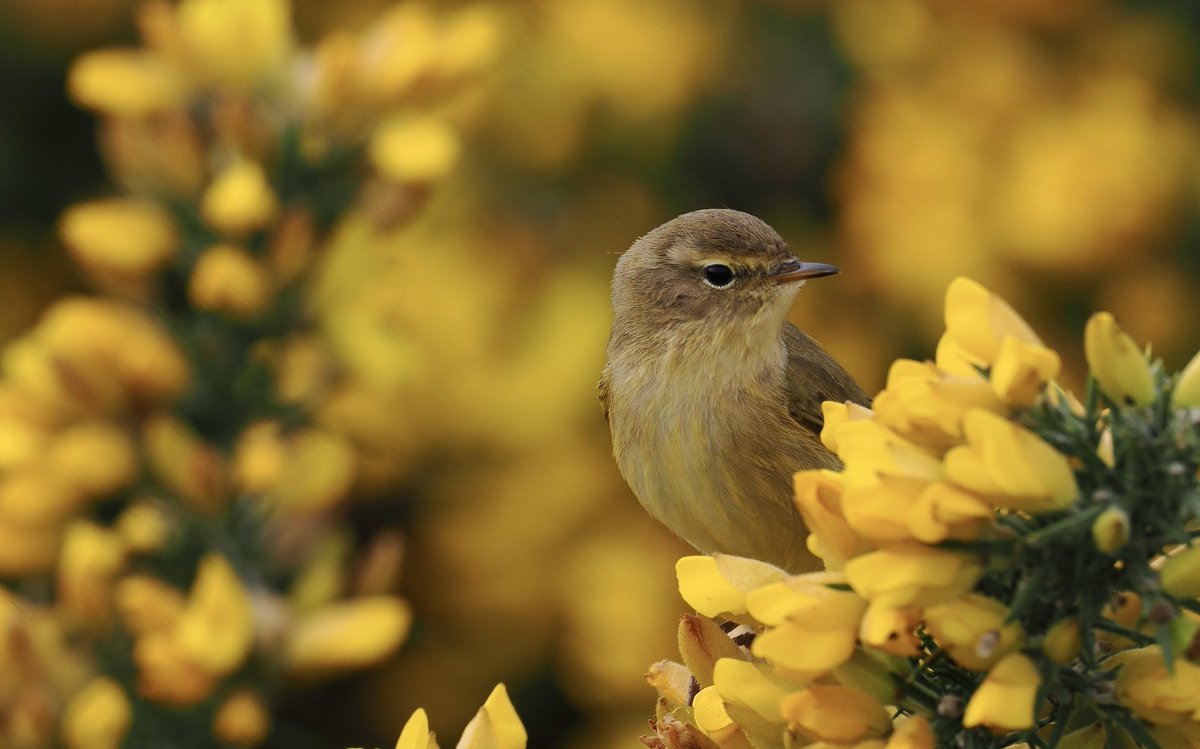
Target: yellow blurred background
column 1049, row 150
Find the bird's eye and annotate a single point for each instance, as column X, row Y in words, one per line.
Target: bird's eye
column 718, row 276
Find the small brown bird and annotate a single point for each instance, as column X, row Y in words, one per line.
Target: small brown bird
column 713, row 399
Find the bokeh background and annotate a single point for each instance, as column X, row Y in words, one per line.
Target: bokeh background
column 1050, row 150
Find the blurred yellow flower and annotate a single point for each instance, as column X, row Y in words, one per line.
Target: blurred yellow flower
column 242, row 44
column 1119, row 367
column 92, row 557
column 1005, row 699
column 227, row 280
column 1010, row 465
column 1180, row 575
column 216, row 627
column 1110, row 530
column 318, row 471
column 119, row 242
column 146, row 604
column 912, row 732
column 345, row 636
column 125, row 83
column 1162, row 695
column 1063, row 641
column 144, row 526
column 240, row 199
column 973, row 631
column 917, row 576
column 243, row 719
column 412, row 148
column 97, row 457
column 185, row 464
column 1186, row 391
column 167, row 674
column 839, row 715
column 98, row 717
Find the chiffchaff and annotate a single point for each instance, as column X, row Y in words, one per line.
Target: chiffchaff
column 713, row 399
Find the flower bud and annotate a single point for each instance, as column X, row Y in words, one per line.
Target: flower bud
column 1119, row 366
column 125, row 83
column 240, row 199
column 227, row 280
column 1186, row 393
column 1063, row 641
column 98, row 717
column 346, row 636
column 119, row 242
column 1181, row 574
column 242, row 720
column 1110, row 530
column 1005, row 699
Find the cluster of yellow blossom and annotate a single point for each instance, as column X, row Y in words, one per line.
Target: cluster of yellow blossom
column 174, row 449
column 993, row 572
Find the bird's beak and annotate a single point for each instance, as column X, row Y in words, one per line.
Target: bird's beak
column 794, row 270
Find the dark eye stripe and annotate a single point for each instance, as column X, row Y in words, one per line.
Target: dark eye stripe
column 718, row 276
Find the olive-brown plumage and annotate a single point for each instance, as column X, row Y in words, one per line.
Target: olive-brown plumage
column 713, row 399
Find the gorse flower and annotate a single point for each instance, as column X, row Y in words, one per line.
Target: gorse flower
column 169, row 456
column 1005, row 564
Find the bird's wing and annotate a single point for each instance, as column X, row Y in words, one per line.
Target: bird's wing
column 814, row 377
column 603, row 390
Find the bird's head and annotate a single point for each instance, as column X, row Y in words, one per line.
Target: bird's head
column 714, row 267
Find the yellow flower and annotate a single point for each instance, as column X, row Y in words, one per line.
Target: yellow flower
column 495, row 726
column 259, row 457
column 96, row 457
column 818, row 496
column 98, row 717
column 811, row 628
column 835, row 415
column 1186, row 390
column 216, row 628
column 925, row 404
column 1120, row 368
column 745, row 684
column 125, row 83
column 194, row 470
column 1021, row 370
column 319, row 471
column 977, row 322
column 119, row 242
column 1180, row 574
column 167, row 674
column 242, row 720
column 839, row 715
column 1011, row 465
column 147, row 604
column 416, row 733
column 1063, row 641
column 413, row 148
column 891, row 629
column 717, row 585
column 242, row 44
column 1005, row 699
column 972, row 630
column 918, row 576
column 710, row 715
column 912, row 732
column 1110, row 530
column 25, row 550
column 1105, row 448
column 227, row 280
column 34, row 497
column 701, row 644
column 347, row 635
column 144, row 527
column 91, row 559
column 240, row 199
column 322, row 577
column 1155, row 693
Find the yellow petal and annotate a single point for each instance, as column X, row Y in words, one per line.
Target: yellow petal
column 347, row 635
column 835, row 714
column 414, row 149
column 973, row 631
column 818, row 496
column 1022, row 370
column 125, row 82
column 242, row 720
column 1005, row 699
column 1120, row 368
column 98, row 717
column 227, row 280
column 416, row 733
column 240, row 199
column 918, row 576
column 912, row 732
column 1063, row 641
column 743, row 683
column 1181, row 574
column 718, row 584
column 978, row 320
column 1186, row 392
column 216, row 629
column 495, row 726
